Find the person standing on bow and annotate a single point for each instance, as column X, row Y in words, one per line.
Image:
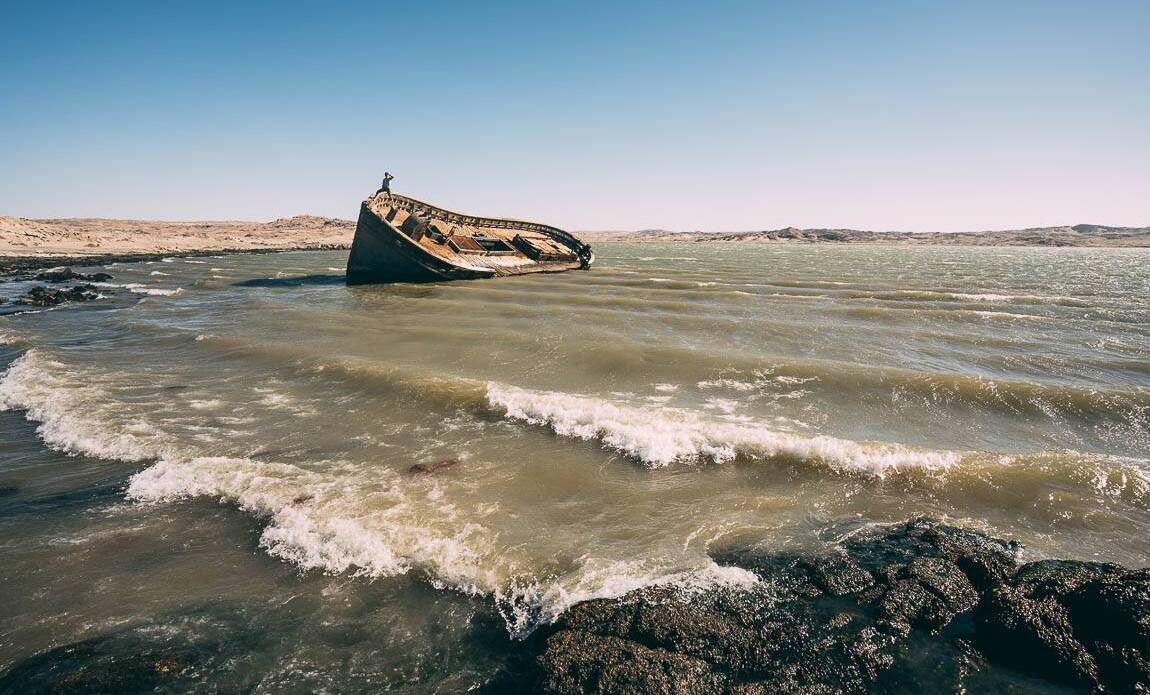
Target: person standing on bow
column 385, row 185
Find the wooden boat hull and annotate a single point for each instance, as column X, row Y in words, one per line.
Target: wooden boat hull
column 383, row 252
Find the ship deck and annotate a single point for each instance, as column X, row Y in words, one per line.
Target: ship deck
column 486, row 245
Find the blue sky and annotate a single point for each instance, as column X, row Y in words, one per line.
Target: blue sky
column 716, row 116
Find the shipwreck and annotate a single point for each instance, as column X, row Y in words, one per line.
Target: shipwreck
column 401, row 239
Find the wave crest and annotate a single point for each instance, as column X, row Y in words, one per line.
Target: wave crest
column 68, row 411
column 527, row 605
column 659, row 437
column 139, row 288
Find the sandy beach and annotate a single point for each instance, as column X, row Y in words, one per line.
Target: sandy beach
column 30, row 243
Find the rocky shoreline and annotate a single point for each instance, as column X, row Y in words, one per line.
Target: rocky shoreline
column 916, row 607
column 43, row 296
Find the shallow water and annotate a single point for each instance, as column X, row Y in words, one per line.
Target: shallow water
column 610, row 428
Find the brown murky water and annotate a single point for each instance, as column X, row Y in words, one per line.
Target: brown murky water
column 608, row 427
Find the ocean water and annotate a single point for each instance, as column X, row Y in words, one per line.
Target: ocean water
column 214, row 460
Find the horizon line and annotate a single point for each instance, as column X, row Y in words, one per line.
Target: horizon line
column 254, row 220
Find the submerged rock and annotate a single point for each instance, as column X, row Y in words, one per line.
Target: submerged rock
column 432, row 467
column 171, row 654
column 916, row 606
column 42, row 296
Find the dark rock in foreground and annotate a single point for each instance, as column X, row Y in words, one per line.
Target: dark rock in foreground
column 181, row 656
column 918, row 607
column 42, row 296
column 1082, row 622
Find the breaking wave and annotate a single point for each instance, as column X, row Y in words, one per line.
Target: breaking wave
column 314, row 523
column 527, row 605
column 993, row 297
column 139, row 288
column 73, row 414
column 335, row 517
column 659, row 437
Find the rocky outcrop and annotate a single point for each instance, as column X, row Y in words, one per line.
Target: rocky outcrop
column 67, row 274
column 41, row 296
column 920, row 606
column 1084, row 623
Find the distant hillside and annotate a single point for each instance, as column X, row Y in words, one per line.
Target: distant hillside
column 1077, row 235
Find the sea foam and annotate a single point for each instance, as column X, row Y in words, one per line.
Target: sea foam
column 70, row 412
column 362, row 522
column 138, row 288
column 659, row 437
column 527, row 605
column 333, row 517
column 373, row 521
column 334, row 524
